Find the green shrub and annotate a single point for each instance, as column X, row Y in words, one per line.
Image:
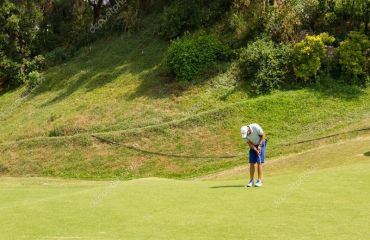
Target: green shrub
column 177, row 18
column 10, row 72
column 308, row 55
column 59, row 55
column 245, row 20
column 353, row 56
column 284, row 23
column 265, row 65
column 35, row 64
column 19, row 26
column 39, row 62
column 181, row 16
column 33, row 79
column 188, row 56
column 18, row 73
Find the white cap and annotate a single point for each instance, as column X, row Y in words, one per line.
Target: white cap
column 244, row 131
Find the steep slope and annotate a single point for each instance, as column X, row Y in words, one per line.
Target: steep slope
column 116, row 90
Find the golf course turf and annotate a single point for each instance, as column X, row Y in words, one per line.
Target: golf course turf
column 322, row 193
column 121, row 119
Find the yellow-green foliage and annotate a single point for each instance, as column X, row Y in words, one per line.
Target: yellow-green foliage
column 308, row 55
column 352, row 54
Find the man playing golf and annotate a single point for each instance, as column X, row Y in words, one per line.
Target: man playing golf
column 254, row 136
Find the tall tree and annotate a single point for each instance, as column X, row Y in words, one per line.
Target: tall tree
column 19, row 25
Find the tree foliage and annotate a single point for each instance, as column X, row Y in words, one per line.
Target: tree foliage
column 284, row 21
column 265, row 65
column 181, row 16
column 56, row 28
column 354, row 56
column 308, row 55
column 17, row 36
column 188, row 56
column 65, row 23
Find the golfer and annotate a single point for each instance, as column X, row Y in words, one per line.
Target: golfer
column 254, row 136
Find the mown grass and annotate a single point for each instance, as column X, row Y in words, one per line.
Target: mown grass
column 322, row 194
column 117, row 89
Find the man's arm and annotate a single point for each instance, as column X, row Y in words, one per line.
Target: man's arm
column 251, row 146
column 263, row 137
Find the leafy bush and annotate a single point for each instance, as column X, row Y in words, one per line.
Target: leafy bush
column 176, row 19
column 59, row 55
column 265, row 65
column 308, row 55
column 39, row 62
column 10, row 72
column 213, row 10
column 245, row 21
column 19, row 73
column 284, row 23
column 18, row 32
column 353, row 56
column 35, row 64
column 181, row 16
column 33, row 79
column 187, row 57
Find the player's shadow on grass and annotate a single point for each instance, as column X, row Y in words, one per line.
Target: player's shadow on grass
column 367, row 154
column 228, row 186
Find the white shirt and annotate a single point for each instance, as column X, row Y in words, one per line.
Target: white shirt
column 255, row 135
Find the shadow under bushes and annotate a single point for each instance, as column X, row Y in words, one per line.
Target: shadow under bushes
column 326, row 88
column 3, row 169
column 163, row 84
column 157, row 84
column 142, row 56
column 329, row 87
column 7, row 90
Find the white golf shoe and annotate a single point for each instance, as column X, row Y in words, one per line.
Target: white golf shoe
column 250, row 184
column 258, row 183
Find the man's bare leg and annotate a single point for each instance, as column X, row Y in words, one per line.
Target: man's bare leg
column 251, row 170
column 260, row 171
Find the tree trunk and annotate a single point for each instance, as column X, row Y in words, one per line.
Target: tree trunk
column 96, row 5
column 367, row 18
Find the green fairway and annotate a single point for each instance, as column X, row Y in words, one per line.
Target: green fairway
column 135, row 119
column 323, row 194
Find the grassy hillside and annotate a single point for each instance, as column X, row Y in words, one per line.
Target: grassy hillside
column 117, row 89
column 322, row 194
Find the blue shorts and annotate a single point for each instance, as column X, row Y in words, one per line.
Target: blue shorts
column 253, row 156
